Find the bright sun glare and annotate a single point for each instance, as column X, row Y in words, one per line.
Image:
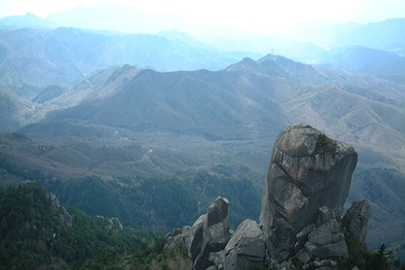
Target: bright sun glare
column 248, row 16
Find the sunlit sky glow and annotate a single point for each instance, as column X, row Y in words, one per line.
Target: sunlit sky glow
column 252, row 15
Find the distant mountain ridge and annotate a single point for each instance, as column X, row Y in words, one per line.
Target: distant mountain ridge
column 309, row 44
column 383, row 35
column 44, row 57
column 35, row 53
column 386, row 35
column 28, row 20
column 241, row 98
column 362, row 60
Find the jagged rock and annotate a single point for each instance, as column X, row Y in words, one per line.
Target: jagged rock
column 324, row 215
column 59, row 210
column 338, row 249
column 216, row 227
column 326, row 234
column 111, row 223
column 302, row 237
column 246, row 249
column 218, row 258
column 306, row 186
column 324, row 264
column 321, row 240
column 307, row 171
column 303, row 256
column 210, row 233
column 115, row 223
column 327, row 241
column 356, row 218
column 194, row 239
column 177, row 237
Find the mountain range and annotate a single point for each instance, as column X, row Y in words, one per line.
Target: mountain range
column 40, row 58
column 384, row 35
column 242, row 98
column 78, row 103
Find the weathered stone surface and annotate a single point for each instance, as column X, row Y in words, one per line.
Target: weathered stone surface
column 307, row 171
column 246, row 249
column 59, row 210
column 218, row 258
column 324, row 264
column 194, row 238
column 210, row 233
column 327, row 241
column 248, row 239
column 324, row 215
column 178, row 238
column 302, row 237
column 326, row 233
column 115, row 223
column 338, row 249
column 356, row 219
column 216, row 227
column 218, row 211
column 303, row 256
column 306, row 186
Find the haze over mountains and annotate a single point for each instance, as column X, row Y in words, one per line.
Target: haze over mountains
column 167, row 102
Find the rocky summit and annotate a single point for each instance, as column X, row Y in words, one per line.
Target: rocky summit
column 307, row 171
column 306, row 185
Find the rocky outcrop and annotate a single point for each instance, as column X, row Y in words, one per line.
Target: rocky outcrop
column 247, row 247
column 356, row 219
column 306, row 186
column 209, row 234
column 324, row 241
column 111, row 223
column 59, row 211
column 307, row 171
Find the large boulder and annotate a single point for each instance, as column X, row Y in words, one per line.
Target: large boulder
column 246, row 249
column 320, row 243
column 306, row 186
column 327, row 241
column 209, row 234
column 307, row 171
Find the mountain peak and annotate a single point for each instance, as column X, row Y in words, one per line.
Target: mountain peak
column 307, row 171
column 29, row 20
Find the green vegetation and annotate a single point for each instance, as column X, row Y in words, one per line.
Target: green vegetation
column 322, row 140
column 161, row 203
column 32, row 237
column 359, row 256
column 381, row 186
column 324, row 144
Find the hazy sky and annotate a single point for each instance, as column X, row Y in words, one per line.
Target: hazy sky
column 242, row 15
